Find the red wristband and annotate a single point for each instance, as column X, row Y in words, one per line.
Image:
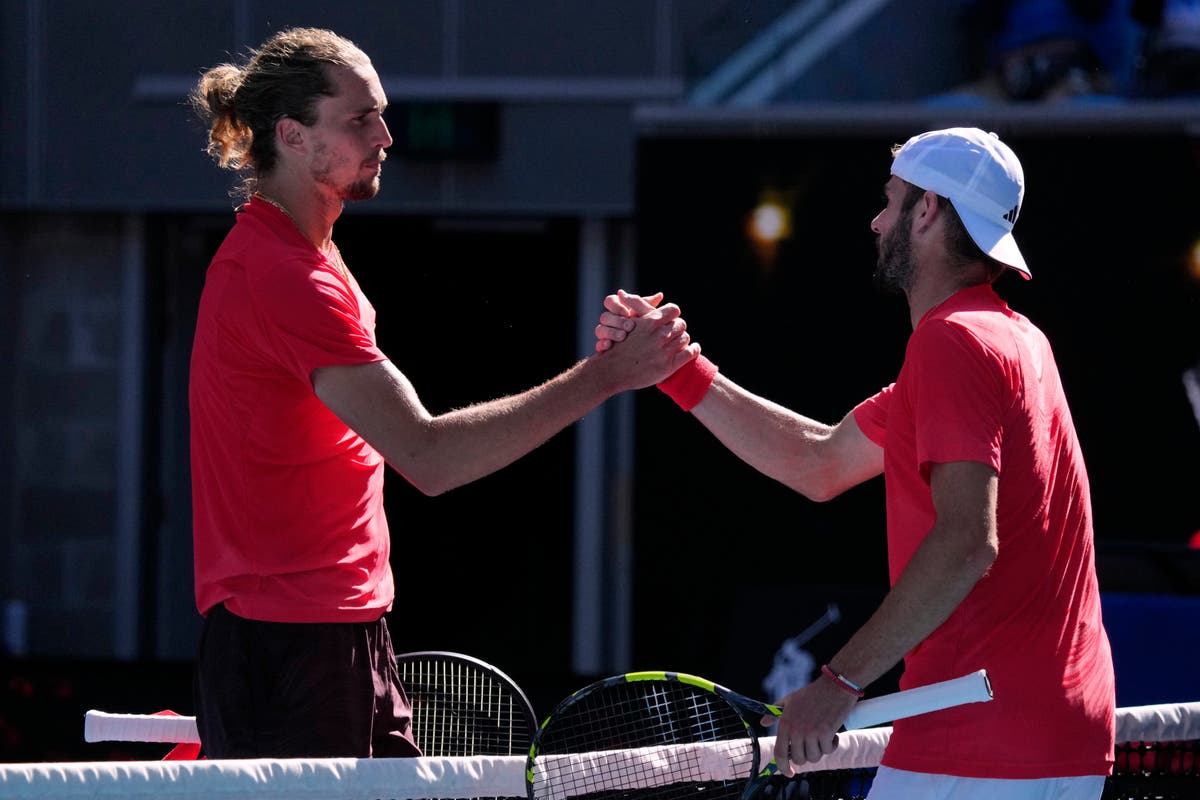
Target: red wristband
column 841, row 681
column 688, row 384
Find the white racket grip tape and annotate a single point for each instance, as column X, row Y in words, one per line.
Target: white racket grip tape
column 100, row 726
column 972, row 688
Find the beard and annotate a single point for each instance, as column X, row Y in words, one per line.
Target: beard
column 361, row 190
column 895, row 266
column 324, row 174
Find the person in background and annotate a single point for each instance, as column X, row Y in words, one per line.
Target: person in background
column 989, row 519
column 1169, row 61
column 295, row 411
column 1048, row 50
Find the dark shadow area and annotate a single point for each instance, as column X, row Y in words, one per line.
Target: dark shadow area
column 725, row 555
column 43, row 703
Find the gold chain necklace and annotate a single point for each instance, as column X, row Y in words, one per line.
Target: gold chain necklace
column 335, row 258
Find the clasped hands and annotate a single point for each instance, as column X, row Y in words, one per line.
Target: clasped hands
column 622, row 312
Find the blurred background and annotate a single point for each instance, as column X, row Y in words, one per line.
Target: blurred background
column 729, row 153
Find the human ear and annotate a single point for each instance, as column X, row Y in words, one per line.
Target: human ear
column 289, row 133
column 927, row 210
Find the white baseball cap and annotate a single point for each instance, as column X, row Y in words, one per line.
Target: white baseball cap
column 980, row 176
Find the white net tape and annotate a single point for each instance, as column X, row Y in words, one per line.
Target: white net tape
column 326, row 778
column 1168, row 722
column 356, row 779
column 449, row 777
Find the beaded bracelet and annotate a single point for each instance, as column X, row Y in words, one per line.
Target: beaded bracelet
column 842, row 681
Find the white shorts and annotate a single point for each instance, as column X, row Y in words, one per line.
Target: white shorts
column 898, row 784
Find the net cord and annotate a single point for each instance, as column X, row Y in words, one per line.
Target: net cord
column 447, row 778
column 450, row 778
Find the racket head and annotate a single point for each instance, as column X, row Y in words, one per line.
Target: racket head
column 463, row 706
column 646, row 736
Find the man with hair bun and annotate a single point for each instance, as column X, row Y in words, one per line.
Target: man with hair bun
column 989, row 520
column 295, row 411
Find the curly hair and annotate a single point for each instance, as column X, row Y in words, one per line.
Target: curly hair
column 284, row 77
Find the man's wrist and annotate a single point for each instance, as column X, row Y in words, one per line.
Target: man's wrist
column 842, row 682
column 688, row 384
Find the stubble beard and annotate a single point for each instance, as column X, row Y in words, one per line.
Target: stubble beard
column 364, row 189
column 358, row 190
column 895, row 266
column 361, row 190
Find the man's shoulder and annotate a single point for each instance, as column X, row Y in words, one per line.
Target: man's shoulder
column 261, row 247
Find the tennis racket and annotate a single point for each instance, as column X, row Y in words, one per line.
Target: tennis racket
column 463, row 706
column 669, row 736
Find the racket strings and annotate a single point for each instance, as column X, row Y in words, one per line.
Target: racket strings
column 643, row 740
column 459, row 710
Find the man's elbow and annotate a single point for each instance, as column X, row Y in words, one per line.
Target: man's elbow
column 984, row 554
column 429, row 489
column 428, row 486
column 422, row 474
column 820, row 485
column 819, row 492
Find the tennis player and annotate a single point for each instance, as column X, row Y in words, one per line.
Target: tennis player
column 989, row 519
column 295, row 410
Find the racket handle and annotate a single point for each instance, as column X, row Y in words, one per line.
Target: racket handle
column 101, row 726
column 972, row 688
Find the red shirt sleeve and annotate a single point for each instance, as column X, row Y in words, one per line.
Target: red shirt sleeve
column 871, row 414
column 314, row 320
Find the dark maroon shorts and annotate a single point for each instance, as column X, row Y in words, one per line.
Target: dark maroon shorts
column 299, row 690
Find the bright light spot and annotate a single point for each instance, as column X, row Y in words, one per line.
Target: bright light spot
column 770, row 223
column 1194, row 261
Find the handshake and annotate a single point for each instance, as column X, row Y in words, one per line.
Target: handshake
column 643, row 322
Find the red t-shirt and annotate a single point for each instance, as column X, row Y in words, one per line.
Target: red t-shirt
column 287, row 501
column 979, row 383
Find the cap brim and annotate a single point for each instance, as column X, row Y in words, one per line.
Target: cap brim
column 996, row 241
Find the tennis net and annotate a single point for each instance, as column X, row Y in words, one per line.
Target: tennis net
column 1156, row 757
